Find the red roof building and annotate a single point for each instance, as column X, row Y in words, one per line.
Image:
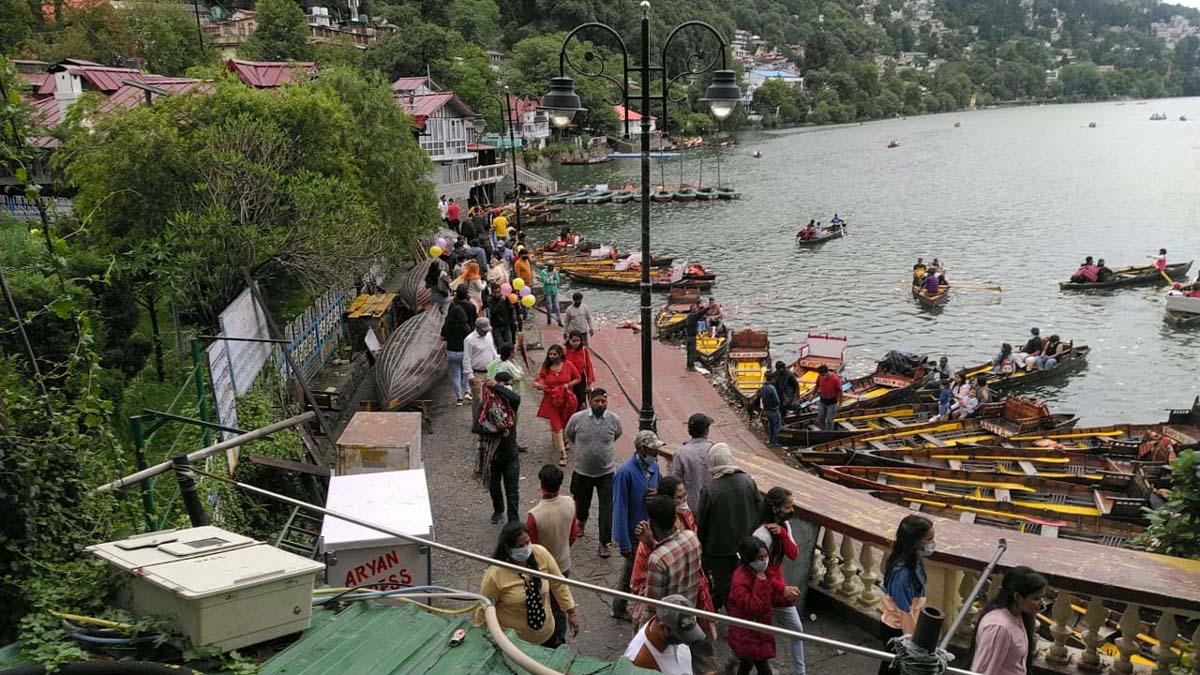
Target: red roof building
column 269, row 74
column 415, row 85
column 633, row 116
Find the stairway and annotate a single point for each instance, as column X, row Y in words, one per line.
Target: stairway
column 301, row 534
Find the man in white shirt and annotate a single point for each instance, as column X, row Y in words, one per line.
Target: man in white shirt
column 478, row 351
column 662, row 643
column 443, row 208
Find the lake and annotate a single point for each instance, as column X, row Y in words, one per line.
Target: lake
column 1015, row 197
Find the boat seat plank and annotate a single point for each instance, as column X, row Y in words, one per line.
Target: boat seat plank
column 847, row 426
column 966, row 517
column 954, row 464
column 1027, row 467
column 929, row 486
column 933, row 440
column 894, row 422
column 878, row 445
column 1050, row 531
column 1003, row 495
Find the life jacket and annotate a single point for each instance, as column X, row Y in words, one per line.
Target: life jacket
column 695, row 270
column 1086, row 272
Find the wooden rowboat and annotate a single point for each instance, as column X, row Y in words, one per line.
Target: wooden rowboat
column 1130, row 276
column 1095, row 530
column 672, row 317
column 633, row 278
column 685, row 195
column 1070, row 467
column 931, row 302
column 728, row 193
column 823, row 235
column 662, row 196
column 1183, row 312
column 412, row 360
column 1031, row 494
column 747, row 363
column 412, row 292
column 1071, row 361
column 882, row 387
column 818, row 349
column 710, row 350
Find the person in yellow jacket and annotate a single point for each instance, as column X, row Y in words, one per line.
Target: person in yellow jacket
column 523, row 601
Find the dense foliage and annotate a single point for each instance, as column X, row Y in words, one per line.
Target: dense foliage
column 281, row 35
column 1175, row 527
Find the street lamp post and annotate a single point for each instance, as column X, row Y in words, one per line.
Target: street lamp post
column 479, row 123
column 562, row 103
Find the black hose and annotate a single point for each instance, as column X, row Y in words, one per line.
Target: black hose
column 616, row 379
column 106, row 668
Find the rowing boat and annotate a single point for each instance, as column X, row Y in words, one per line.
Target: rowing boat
column 728, row 193
column 1094, row 530
column 412, row 360
column 672, row 318
column 662, row 196
column 1130, row 276
column 747, row 363
column 818, row 349
column 931, row 302
column 623, row 197
column 1002, row 418
column 663, row 280
column 1072, row 360
column 823, row 235
column 707, row 194
column 887, row 385
column 685, row 195
column 1070, row 467
column 1032, row 494
column 600, row 198
column 1182, row 311
column 711, row 349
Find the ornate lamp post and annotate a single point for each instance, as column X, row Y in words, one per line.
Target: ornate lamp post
column 722, row 97
column 479, row 123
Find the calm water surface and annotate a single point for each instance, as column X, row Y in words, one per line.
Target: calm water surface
column 1013, row 197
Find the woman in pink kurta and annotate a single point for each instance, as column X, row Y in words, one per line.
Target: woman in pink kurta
column 1005, row 643
column 557, row 379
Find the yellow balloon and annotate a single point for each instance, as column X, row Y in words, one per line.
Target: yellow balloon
column 435, row 251
column 528, row 301
column 518, row 283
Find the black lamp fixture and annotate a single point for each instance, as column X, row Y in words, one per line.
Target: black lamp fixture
column 723, row 94
column 478, row 124
column 561, row 102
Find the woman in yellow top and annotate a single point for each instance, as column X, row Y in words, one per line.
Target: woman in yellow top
column 522, row 600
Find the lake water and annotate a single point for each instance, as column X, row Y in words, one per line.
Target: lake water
column 1015, row 197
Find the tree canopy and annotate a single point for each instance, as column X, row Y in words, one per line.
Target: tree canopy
column 281, row 35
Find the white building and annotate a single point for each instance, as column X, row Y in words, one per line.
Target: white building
column 635, row 121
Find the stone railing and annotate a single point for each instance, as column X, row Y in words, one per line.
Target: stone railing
column 849, row 571
column 488, row 173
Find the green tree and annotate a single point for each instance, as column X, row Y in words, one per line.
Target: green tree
column 281, row 35
column 164, row 34
column 534, row 61
column 93, row 32
column 775, row 98
column 1175, row 527
column 1082, row 80
column 478, row 21
column 16, row 24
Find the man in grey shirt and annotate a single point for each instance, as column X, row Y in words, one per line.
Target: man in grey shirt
column 690, row 463
column 593, row 433
column 578, row 318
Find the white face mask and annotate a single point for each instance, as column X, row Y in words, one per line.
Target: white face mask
column 521, row 553
column 683, row 507
column 928, row 549
column 758, row 565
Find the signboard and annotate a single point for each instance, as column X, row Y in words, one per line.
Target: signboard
column 224, row 394
column 372, row 341
column 244, row 319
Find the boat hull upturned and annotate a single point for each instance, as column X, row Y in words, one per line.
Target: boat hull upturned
column 1131, row 276
column 412, row 360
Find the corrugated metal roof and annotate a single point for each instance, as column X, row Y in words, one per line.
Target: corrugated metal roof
column 424, row 105
column 413, row 83
column 37, row 81
column 384, row 639
column 101, row 78
column 129, row 96
column 268, row 74
column 47, row 112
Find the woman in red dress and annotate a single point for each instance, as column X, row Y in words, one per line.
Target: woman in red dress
column 556, row 380
column 577, row 354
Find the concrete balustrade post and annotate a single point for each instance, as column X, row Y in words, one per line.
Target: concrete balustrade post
column 1130, row 626
column 967, row 628
column 1164, row 655
column 1094, row 620
column 818, row 567
column 833, row 573
column 871, row 594
column 851, row 584
column 1061, row 630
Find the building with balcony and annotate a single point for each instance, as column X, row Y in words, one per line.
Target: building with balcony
column 531, row 125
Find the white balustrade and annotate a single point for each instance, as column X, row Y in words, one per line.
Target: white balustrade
column 1164, row 652
column 1061, row 613
column 1130, row 626
column 833, row 574
column 851, row 584
column 1093, row 621
column 870, row 595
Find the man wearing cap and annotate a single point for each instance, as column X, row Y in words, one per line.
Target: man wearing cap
column 663, row 644
column 690, row 463
column 478, row 352
column 632, row 483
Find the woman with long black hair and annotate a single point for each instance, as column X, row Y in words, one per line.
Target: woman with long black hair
column 1004, row 641
column 774, row 531
column 523, row 600
column 904, row 580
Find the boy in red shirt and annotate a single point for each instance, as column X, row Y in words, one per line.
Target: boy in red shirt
column 829, row 393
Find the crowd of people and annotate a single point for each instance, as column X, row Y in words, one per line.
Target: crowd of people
column 1090, row 272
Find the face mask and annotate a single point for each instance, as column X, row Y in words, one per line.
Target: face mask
column 928, row 549
column 646, row 461
column 682, row 508
column 758, row 565
column 521, row 553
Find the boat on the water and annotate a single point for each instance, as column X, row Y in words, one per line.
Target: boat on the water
column 747, row 363
column 664, row 279
column 412, row 360
column 818, row 349
column 1074, row 359
column 662, row 196
column 654, row 154
column 1138, row 275
column 896, row 379
column 931, row 302
column 1102, row 531
column 1182, row 311
column 1071, row 467
column 685, row 195
column 671, row 319
column 1032, row 494
column 894, row 144
column 728, row 193
column 822, row 235
column 710, row 349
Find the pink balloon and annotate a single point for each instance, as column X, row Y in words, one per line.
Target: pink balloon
column 526, row 291
column 441, row 242
column 505, row 288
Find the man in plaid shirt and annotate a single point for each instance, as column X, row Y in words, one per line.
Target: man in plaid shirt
column 674, row 565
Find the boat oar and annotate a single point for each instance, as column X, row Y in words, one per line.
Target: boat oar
column 974, row 287
column 1166, row 278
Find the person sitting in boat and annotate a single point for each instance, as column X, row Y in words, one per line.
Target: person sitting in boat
column 1103, row 273
column 757, row 154
column 1156, row 449
column 1052, row 352
column 1160, row 263
column 807, row 231
column 918, row 271
column 1004, row 362
column 966, row 406
column 930, row 284
column 1032, row 349
column 836, row 220
column 1087, row 273
column 1176, row 290
column 713, row 314
column 982, row 391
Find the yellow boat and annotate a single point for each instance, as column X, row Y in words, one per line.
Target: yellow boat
column 748, row 362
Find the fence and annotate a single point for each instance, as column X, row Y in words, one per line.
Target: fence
column 314, row 335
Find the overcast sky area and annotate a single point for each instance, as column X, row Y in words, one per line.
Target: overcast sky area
column 1189, row 3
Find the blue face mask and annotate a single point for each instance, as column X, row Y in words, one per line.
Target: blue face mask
column 647, row 461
